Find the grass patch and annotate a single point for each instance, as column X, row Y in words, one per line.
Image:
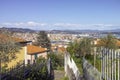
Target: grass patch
column 65, row 78
column 90, row 59
column 78, row 62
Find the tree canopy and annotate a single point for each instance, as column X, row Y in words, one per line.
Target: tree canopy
column 109, row 42
column 8, row 48
column 56, row 59
column 80, row 48
column 43, row 40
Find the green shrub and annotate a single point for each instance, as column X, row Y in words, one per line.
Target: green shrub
column 41, row 59
column 78, row 62
column 57, row 60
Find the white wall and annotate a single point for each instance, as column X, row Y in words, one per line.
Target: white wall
column 32, row 57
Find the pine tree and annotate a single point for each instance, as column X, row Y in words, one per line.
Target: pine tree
column 43, row 40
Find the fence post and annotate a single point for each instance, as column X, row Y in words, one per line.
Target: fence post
column 118, row 65
column 110, row 64
column 101, row 59
column 65, row 64
column 115, row 65
column 0, row 69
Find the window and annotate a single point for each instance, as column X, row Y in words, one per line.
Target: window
column 35, row 56
column 28, row 61
column 34, row 61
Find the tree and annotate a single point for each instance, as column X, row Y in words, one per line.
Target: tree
column 109, row 42
column 8, row 48
column 43, row 40
column 73, row 47
column 57, row 60
column 80, row 48
column 86, row 46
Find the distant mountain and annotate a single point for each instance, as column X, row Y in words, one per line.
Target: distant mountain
column 115, row 30
column 23, row 30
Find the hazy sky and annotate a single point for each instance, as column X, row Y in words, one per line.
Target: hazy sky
column 60, row 14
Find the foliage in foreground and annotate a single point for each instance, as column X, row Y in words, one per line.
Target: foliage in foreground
column 29, row 72
column 40, row 74
column 40, row 59
column 8, row 49
column 57, row 60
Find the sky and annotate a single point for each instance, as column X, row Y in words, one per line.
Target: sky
column 60, row 14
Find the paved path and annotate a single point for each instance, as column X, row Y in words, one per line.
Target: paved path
column 58, row 74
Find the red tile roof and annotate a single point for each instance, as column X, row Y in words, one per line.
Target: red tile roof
column 31, row 49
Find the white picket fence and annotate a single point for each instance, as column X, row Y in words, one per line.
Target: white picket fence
column 110, row 64
column 69, row 62
column 90, row 72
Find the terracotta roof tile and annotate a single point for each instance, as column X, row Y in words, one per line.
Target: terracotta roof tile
column 31, row 49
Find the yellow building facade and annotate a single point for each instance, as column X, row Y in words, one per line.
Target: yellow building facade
column 19, row 56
